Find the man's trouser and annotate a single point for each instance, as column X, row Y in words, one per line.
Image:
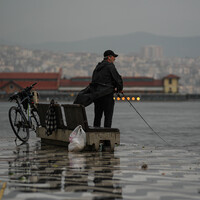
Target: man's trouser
column 104, row 105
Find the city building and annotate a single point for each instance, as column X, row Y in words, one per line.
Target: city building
column 51, row 83
column 170, row 84
column 152, row 52
column 12, row 82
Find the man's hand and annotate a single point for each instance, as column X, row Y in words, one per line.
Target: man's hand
column 116, row 91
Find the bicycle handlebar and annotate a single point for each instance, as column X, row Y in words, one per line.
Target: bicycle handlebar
column 27, row 89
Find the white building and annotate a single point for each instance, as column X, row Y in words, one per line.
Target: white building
column 152, row 51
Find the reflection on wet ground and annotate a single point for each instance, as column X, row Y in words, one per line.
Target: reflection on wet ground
column 54, row 171
column 36, row 171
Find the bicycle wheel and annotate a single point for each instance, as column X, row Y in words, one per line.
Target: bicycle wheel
column 19, row 124
column 35, row 120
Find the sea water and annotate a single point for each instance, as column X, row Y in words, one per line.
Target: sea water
column 176, row 122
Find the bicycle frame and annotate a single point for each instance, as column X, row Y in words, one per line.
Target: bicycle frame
column 23, row 116
column 19, row 106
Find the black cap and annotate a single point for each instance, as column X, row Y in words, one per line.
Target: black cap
column 109, row 53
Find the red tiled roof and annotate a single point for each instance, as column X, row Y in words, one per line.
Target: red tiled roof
column 4, row 83
column 64, row 82
column 25, row 75
column 171, row 76
column 41, row 85
column 138, row 77
column 70, row 83
column 81, row 77
column 45, row 81
column 154, row 83
column 78, row 83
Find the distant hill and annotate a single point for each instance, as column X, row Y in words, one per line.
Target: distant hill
column 129, row 43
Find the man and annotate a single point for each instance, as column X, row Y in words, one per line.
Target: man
column 106, row 81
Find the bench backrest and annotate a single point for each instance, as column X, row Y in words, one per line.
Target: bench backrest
column 42, row 111
column 75, row 115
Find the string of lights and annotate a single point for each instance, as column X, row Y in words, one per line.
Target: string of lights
column 127, row 98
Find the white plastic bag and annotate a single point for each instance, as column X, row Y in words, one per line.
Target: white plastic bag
column 77, row 139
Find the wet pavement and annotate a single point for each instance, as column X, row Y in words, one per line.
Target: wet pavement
column 38, row 171
column 150, row 170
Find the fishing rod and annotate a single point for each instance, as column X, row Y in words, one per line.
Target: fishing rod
column 144, row 119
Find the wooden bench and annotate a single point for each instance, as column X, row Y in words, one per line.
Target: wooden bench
column 69, row 116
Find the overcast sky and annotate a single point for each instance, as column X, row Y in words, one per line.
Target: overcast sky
column 35, row 21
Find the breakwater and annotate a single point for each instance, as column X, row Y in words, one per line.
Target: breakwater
column 142, row 97
column 169, row 97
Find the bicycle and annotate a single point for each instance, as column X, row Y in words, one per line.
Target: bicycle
column 24, row 116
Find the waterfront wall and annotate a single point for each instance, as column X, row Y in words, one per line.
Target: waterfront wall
column 143, row 97
column 169, row 97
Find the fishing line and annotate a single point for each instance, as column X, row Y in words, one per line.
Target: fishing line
column 144, row 120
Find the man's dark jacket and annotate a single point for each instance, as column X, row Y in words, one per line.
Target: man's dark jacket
column 105, row 79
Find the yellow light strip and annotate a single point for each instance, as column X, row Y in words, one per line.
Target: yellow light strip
column 128, row 98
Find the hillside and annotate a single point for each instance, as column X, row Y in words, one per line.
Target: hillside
column 130, row 43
